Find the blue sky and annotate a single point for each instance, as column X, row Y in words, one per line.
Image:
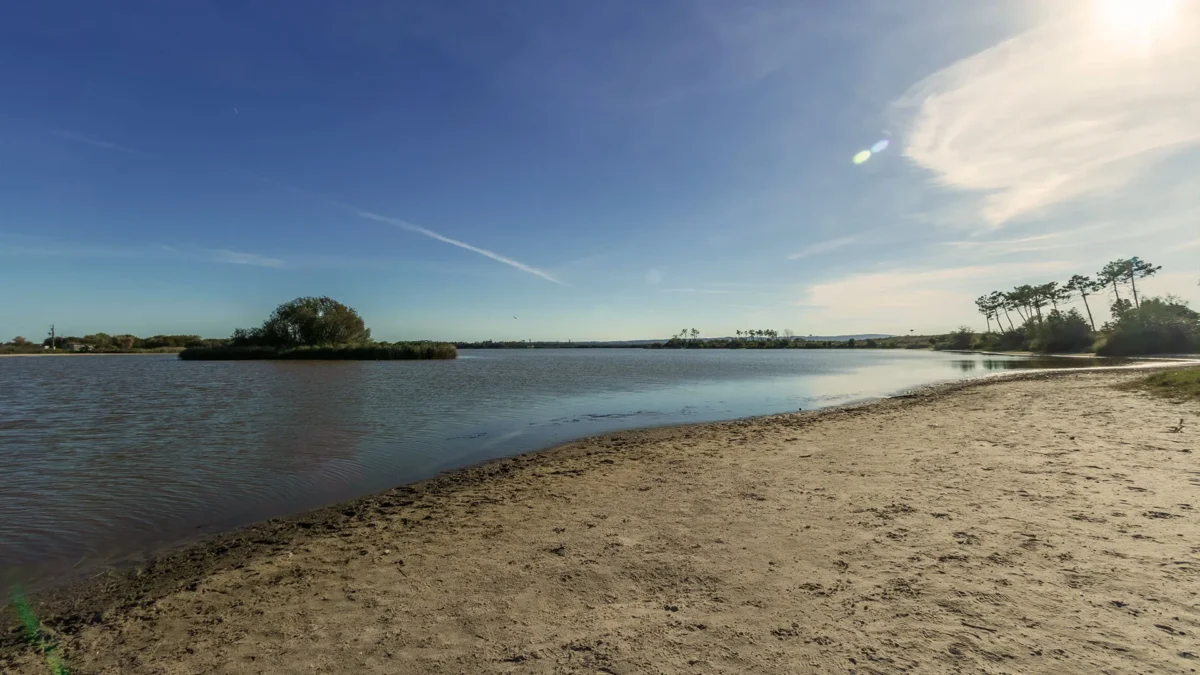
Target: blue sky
column 596, row 170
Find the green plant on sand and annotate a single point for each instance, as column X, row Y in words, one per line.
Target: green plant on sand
column 35, row 636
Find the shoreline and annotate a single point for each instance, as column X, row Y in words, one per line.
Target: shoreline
column 91, row 606
column 118, row 568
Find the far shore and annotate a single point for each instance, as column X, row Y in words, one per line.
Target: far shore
column 61, row 353
column 69, row 353
column 1044, row 522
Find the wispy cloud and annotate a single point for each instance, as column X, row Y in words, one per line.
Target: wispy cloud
column 698, row 48
column 894, row 301
column 987, row 243
column 21, row 245
column 37, row 246
column 223, row 255
column 405, row 225
column 97, row 143
column 822, row 247
column 744, row 306
column 704, row 291
column 1075, row 108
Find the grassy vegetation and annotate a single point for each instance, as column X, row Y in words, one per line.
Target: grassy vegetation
column 399, row 351
column 1181, row 384
column 9, row 349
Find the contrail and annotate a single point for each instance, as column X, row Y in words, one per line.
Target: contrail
column 228, row 256
column 404, row 225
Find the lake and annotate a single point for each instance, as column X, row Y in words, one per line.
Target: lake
column 105, row 459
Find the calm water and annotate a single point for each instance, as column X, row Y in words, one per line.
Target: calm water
column 103, row 459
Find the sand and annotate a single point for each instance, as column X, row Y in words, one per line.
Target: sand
column 1045, row 524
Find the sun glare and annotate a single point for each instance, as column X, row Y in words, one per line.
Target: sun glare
column 1141, row 21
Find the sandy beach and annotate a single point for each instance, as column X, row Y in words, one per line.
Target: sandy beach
column 1043, row 524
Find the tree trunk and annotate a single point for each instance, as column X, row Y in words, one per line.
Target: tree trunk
column 1089, row 311
column 1023, row 319
column 1007, row 316
column 1134, row 285
column 989, row 322
column 1115, row 291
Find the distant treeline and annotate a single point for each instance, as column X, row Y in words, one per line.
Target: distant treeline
column 691, row 339
column 105, row 343
column 770, row 339
column 547, row 344
column 1045, row 324
column 314, row 328
column 304, row 328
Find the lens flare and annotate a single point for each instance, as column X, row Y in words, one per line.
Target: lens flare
column 862, row 156
column 880, row 146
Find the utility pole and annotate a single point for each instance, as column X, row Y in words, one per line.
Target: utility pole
column 51, row 337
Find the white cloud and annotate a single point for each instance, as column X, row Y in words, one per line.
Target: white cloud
column 222, row 255
column 822, row 247
column 1075, row 108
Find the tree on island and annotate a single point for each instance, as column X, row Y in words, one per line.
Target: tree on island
column 307, row 322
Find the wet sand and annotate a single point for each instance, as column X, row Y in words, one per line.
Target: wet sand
column 1037, row 524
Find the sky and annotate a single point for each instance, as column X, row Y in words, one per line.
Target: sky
column 554, row 170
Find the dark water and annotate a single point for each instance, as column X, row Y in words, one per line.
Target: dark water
column 103, row 459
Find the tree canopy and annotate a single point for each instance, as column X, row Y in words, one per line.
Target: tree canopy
column 307, row 322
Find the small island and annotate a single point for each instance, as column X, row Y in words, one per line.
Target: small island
column 315, row 329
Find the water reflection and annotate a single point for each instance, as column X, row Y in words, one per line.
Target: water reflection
column 1033, row 363
column 315, row 411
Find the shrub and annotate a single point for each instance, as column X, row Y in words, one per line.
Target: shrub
column 1008, row 341
column 1158, row 326
column 1061, row 332
column 960, row 339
